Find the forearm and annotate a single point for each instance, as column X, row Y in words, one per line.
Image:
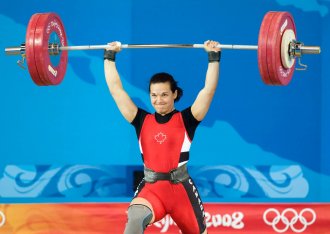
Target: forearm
column 212, row 77
column 112, row 76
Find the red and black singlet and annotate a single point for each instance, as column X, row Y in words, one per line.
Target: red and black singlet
column 164, row 143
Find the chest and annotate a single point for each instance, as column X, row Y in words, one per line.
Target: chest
column 163, row 134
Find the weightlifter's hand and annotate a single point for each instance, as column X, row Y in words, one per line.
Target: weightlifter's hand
column 213, row 51
column 211, row 46
column 110, row 52
column 115, row 46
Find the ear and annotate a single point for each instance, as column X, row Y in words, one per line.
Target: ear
column 175, row 94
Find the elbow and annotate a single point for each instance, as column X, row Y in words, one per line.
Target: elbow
column 113, row 89
column 111, row 86
column 210, row 92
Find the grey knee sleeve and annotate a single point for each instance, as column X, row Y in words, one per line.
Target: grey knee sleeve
column 139, row 217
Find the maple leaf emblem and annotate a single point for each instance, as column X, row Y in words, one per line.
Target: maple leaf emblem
column 160, row 137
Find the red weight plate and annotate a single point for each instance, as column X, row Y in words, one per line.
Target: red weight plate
column 29, row 49
column 50, row 29
column 262, row 47
column 277, row 72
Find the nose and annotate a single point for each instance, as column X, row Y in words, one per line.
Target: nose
column 158, row 99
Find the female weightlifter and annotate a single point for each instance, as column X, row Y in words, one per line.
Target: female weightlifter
column 165, row 138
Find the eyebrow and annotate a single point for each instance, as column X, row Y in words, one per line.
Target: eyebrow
column 166, row 92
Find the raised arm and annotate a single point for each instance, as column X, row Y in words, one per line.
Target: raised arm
column 204, row 98
column 125, row 104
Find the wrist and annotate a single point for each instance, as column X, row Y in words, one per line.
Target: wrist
column 214, row 56
column 109, row 55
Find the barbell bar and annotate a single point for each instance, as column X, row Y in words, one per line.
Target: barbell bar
column 55, row 48
column 45, row 48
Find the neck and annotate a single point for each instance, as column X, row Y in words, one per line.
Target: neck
column 162, row 114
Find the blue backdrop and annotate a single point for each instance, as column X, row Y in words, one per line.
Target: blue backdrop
column 258, row 142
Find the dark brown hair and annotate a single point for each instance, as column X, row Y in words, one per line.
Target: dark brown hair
column 164, row 77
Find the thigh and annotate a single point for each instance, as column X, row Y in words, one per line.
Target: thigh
column 146, row 196
column 189, row 210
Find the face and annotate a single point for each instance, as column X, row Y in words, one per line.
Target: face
column 162, row 98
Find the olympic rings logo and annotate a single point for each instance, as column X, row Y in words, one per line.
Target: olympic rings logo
column 2, row 219
column 288, row 220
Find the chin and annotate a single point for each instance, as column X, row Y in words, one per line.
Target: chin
column 160, row 111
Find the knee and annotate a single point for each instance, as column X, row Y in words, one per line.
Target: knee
column 139, row 216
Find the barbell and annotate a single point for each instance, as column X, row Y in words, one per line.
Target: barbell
column 46, row 51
